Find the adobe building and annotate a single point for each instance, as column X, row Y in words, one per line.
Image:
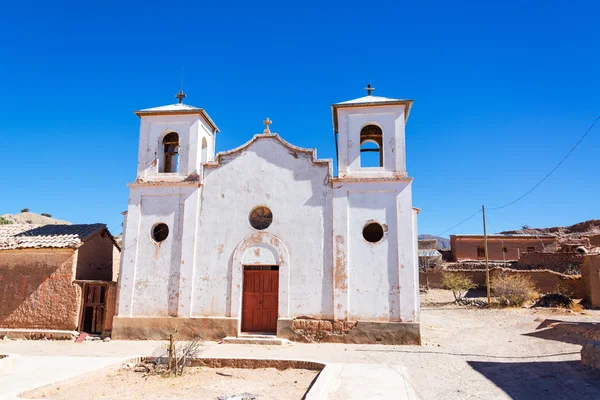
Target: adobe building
column 509, row 247
column 265, row 238
column 56, row 278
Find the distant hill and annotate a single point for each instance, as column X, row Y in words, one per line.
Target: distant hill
column 443, row 243
column 591, row 226
column 33, row 218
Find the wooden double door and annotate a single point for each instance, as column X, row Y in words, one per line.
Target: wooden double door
column 260, row 298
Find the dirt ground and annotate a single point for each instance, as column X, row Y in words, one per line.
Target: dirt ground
column 196, row 383
column 467, row 353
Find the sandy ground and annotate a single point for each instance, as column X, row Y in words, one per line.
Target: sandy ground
column 196, row 383
column 467, row 353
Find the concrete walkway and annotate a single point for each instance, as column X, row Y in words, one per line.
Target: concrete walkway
column 362, row 381
column 34, row 371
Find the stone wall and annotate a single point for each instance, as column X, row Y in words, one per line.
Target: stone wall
column 559, row 262
column 545, row 281
column 37, row 289
column 590, row 354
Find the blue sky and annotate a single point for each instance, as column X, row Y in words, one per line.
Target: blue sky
column 502, row 91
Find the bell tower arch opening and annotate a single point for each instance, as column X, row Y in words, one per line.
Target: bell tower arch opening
column 371, row 146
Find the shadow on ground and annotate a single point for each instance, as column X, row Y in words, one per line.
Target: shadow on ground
column 539, row 380
column 567, row 331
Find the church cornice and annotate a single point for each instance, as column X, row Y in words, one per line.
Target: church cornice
column 369, row 179
column 294, row 151
column 140, row 183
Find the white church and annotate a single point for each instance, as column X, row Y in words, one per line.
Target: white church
column 265, row 239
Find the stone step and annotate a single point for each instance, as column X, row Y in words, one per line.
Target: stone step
column 272, row 340
column 258, row 335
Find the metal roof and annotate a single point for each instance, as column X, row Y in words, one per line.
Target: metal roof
column 177, row 109
column 367, row 101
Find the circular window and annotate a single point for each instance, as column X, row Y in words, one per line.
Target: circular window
column 261, row 218
column 160, row 232
column 373, row 232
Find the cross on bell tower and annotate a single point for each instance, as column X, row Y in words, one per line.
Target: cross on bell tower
column 369, row 89
column 180, row 96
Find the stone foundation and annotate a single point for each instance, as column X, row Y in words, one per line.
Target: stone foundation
column 159, row 328
column 590, row 354
column 340, row 331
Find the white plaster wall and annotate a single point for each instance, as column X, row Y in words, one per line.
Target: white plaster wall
column 375, row 281
column 150, row 271
column 190, row 128
column 350, row 122
column 373, row 267
column 298, row 193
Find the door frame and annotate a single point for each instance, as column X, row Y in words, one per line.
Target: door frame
column 271, row 246
column 261, row 268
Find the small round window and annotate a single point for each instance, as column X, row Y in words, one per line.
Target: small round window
column 261, row 218
column 373, row 232
column 160, row 232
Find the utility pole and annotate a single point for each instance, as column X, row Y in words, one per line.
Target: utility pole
column 487, row 266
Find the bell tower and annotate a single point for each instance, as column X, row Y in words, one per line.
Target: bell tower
column 175, row 141
column 369, row 135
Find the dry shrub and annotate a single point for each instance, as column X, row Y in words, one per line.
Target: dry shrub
column 458, row 283
column 513, row 290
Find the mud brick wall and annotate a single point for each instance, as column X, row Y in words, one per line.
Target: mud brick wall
column 544, row 280
column 559, row 262
column 37, row 289
column 590, row 354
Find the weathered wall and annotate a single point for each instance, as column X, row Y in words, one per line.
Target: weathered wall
column 375, row 281
column 95, row 258
column 555, row 261
column 590, row 272
column 545, row 281
column 190, row 128
column 465, row 247
column 391, row 120
column 37, row 289
column 295, row 188
column 150, row 273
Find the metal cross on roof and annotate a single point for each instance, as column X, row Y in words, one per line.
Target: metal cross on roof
column 267, row 122
column 369, row 89
column 180, row 96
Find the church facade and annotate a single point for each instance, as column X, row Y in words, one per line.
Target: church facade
column 265, row 238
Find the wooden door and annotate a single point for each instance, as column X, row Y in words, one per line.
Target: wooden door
column 260, row 298
column 93, row 308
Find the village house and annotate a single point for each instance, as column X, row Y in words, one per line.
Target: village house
column 265, row 238
column 509, row 247
column 56, row 278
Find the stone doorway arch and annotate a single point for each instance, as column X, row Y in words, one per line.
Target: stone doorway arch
column 260, row 248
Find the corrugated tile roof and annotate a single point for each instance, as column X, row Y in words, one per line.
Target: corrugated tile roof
column 29, row 236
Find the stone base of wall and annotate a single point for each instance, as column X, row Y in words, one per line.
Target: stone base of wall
column 339, row 331
column 38, row 334
column 159, row 328
column 590, row 354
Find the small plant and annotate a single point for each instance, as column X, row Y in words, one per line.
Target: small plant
column 513, row 290
column 47, row 215
column 458, row 283
column 25, row 210
column 4, row 221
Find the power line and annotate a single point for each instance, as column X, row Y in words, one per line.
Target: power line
column 460, row 223
column 553, row 169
